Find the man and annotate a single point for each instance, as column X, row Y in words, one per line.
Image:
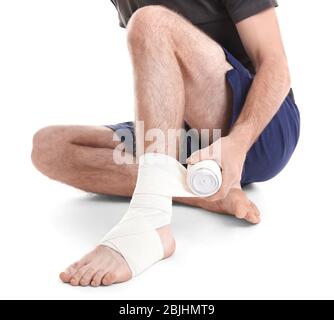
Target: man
column 201, row 64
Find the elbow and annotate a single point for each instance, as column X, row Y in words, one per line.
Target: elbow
column 286, row 76
column 287, row 80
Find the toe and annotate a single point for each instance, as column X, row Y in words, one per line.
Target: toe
column 67, row 275
column 255, row 209
column 75, row 280
column 247, row 211
column 253, row 215
column 109, row 279
column 97, row 279
column 241, row 211
column 87, row 277
column 253, row 218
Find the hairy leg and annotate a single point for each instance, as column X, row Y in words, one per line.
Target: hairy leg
column 160, row 43
column 82, row 157
column 180, row 73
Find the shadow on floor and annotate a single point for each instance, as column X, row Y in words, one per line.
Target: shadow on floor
column 91, row 216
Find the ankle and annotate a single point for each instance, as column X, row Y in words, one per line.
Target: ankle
column 167, row 240
column 193, row 202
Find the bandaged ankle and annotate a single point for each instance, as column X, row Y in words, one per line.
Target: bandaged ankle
column 160, row 178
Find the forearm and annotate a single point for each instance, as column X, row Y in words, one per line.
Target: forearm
column 269, row 89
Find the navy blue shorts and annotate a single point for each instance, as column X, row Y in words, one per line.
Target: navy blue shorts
column 275, row 146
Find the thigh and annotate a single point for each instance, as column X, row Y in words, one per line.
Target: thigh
column 204, row 66
column 60, row 151
column 88, row 136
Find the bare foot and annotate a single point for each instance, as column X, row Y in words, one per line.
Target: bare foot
column 236, row 204
column 104, row 266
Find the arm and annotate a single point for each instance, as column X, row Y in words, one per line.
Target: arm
column 261, row 37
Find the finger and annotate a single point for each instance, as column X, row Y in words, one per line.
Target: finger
column 200, row 155
column 194, row 158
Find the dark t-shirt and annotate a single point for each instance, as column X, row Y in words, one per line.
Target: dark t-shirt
column 217, row 18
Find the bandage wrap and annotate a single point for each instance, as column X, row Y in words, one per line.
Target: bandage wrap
column 204, row 178
column 160, row 178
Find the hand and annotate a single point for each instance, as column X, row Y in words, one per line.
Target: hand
column 230, row 155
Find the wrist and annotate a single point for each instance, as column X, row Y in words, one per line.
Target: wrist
column 242, row 138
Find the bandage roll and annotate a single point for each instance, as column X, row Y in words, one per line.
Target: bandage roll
column 204, row 178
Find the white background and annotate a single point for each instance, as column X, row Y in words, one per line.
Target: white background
column 66, row 62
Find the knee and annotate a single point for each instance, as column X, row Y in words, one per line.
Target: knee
column 48, row 148
column 148, row 22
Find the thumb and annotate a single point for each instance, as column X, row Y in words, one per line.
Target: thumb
column 194, row 158
column 199, row 155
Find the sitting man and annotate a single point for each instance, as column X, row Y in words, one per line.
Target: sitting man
column 204, row 64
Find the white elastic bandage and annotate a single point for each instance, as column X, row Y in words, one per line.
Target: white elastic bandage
column 160, row 178
column 204, row 178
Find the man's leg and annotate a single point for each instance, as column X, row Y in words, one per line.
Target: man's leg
column 169, row 66
column 82, row 157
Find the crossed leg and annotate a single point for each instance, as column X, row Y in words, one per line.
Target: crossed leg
column 180, row 74
column 82, row 157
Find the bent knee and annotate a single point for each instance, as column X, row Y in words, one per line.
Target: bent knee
column 48, row 148
column 147, row 21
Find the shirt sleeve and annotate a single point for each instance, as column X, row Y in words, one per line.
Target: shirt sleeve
column 243, row 9
column 121, row 24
